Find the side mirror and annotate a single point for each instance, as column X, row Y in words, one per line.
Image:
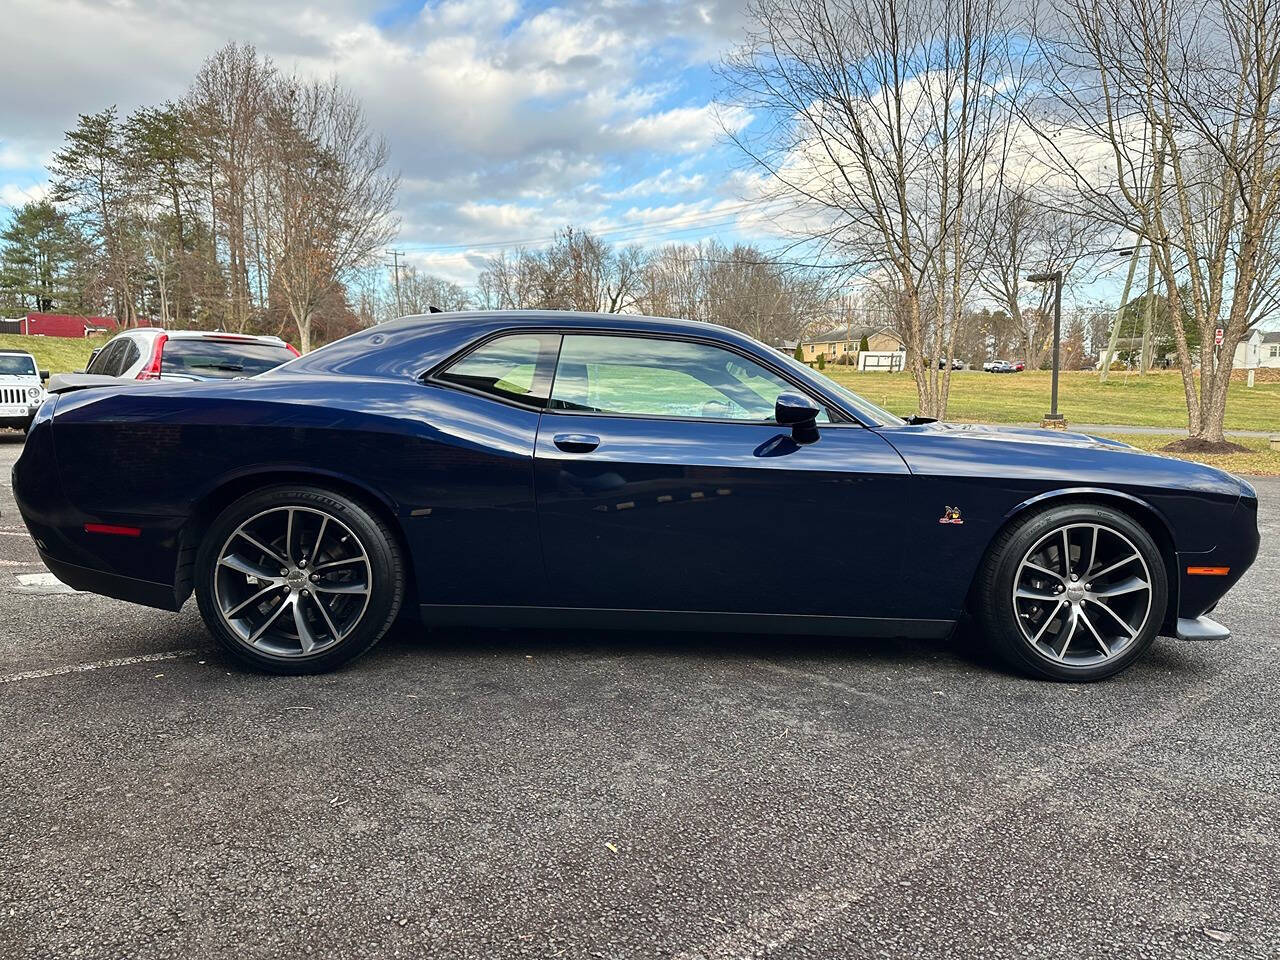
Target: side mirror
column 44, row 376
column 800, row 414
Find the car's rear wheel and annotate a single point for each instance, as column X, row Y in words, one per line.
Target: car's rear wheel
column 1076, row 592
column 297, row 579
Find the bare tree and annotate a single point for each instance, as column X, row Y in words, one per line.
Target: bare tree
column 330, row 204
column 1165, row 118
column 577, row 271
column 226, row 105
column 884, row 122
column 419, row 292
column 1029, row 230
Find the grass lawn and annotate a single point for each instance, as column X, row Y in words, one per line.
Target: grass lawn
column 1262, row 461
column 1155, row 400
column 55, row 354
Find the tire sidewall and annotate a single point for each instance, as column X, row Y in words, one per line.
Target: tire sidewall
column 1000, row 618
column 387, row 577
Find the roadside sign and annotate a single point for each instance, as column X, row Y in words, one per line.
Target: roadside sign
column 1217, row 337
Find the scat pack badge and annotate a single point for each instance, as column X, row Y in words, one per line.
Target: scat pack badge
column 951, row 515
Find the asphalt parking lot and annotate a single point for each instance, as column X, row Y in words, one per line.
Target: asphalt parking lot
column 516, row 794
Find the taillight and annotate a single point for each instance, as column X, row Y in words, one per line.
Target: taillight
column 152, row 370
column 292, row 349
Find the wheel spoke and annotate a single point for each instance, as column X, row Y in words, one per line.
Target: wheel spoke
column 1128, row 630
column 1115, row 566
column 1068, row 635
column 1106, row 650
column 288, row 534
column 336, row 563
column 305, row 636
column 1093, row 550
column 324, row 524
column 328, row 621
column 1024, row 594
column 270, row 619
column 241, row 565
column 1045, row 570
column 1131, row 585
column 252, row 599
column 1066, row 553
column 323, row 587
column 263, row 547
column 1048, row 620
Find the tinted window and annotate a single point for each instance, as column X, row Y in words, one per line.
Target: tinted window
column 12, row 366
column 221, row 358
column 516, row 368
column 107, row 363
column 129, row 355
column 666, row 378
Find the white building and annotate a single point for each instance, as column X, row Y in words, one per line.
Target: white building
column 1260, row 349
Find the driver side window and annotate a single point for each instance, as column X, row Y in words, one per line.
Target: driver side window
column 643, row 376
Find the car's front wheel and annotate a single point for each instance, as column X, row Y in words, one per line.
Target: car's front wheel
column 298, row 579
column 1075, row 592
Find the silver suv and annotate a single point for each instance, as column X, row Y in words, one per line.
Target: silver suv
column 21, row 389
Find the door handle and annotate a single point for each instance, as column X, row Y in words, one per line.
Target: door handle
column 576, row 442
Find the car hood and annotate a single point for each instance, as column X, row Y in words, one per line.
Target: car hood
column 1059, row 438
column 26, row 381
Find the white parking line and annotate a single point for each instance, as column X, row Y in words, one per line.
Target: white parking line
column 97, row 665
column 41, row 583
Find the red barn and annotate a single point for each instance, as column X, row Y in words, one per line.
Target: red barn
column 65, row 325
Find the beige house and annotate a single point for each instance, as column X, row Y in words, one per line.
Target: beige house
column 840, row 341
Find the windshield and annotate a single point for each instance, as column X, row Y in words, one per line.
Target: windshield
column 17, row 365
column 860, row 405
column 221, row 358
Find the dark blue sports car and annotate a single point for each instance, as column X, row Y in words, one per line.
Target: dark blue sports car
column 572, row 470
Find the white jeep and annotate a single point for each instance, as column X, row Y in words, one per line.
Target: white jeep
column 21, row 389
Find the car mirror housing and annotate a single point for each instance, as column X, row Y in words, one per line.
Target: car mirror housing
column 800, row 414
column 44, row 376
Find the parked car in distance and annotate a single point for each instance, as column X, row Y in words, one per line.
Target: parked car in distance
column 956, row 363
column 21, row 388
column 1019, row 366
column 999, row 366
column 578, row 470
column 151, row 353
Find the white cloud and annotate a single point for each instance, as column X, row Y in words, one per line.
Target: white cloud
column 505, row 120
column 666, row 182
column 14, row 195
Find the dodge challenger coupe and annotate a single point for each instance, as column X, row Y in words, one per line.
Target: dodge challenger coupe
column 561, row 469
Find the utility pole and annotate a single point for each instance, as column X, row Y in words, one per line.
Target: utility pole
column 395, row 256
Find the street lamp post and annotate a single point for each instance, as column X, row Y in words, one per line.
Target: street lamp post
column 1053, row 418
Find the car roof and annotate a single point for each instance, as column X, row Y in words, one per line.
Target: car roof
column 550, row 318
column 226, row 335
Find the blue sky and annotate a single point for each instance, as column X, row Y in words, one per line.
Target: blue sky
column 506, row 120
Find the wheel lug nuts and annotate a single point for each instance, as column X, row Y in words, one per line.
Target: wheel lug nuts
column 284, row 573
column 315, row 577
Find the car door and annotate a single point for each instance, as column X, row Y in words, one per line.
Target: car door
column 663, row 484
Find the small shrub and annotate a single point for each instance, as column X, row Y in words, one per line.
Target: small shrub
column 822, row 361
